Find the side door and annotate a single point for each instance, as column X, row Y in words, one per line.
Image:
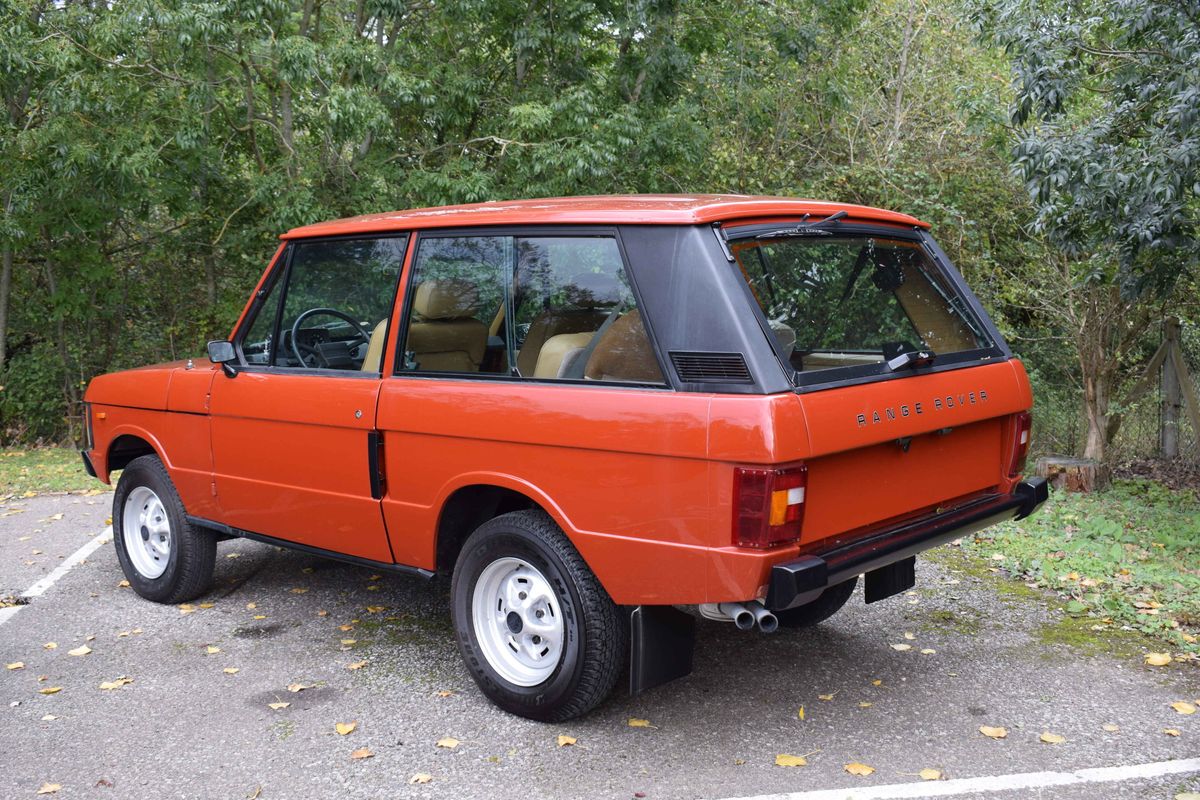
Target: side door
column 293, row 431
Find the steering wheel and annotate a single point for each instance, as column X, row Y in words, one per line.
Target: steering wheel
column 361, row 333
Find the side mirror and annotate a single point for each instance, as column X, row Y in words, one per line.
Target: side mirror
column 222, row 352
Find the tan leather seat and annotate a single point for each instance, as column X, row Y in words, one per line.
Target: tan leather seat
column 550, row 325
column 624, row 353
column 554, row 352
column 444, row 335
column 374, row 357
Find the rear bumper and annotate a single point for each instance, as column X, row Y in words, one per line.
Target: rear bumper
column 797, row 582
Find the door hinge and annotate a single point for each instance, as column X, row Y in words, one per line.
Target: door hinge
column 375, row 464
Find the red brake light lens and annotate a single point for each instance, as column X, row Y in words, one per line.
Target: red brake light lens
column 768, row 505
column 1022, row 424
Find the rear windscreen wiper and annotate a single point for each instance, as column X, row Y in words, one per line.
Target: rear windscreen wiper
column 911, row 359
column 804, row 227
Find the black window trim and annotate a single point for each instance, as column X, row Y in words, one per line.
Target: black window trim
column 838, row 377
column 525, row 231
column 282, row 271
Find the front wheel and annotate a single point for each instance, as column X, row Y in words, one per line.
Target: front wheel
column 539, row 634
column 165, row 558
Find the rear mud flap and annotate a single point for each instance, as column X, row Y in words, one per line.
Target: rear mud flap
column 661, row 642
column 893, row 579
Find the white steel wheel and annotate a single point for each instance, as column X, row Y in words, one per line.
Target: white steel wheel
column 147, row 532
column 518, row 621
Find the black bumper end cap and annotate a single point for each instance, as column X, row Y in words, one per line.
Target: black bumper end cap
column 87, row 464
column 1033, row 492
column 797, row 582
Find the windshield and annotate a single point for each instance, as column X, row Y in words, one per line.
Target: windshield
column 855, row 301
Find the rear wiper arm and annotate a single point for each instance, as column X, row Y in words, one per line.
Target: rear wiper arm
column 911, row 359
column 804, row 227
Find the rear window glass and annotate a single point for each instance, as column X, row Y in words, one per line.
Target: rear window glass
column 855, row 301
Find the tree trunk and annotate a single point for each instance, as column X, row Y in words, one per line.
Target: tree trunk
column 5, row 291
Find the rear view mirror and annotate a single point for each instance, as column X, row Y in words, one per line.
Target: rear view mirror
column 222, row 352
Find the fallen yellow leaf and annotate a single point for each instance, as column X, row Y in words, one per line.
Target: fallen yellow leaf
column 278, row 706
column 930, row 775
column 356, row 665
column 910, row 635
column 566, row 741
column 299, row 590
column 50, row 690
column 826, row 696
column 49, row 718
column 902, row 647
column 858, row 769
column 1158, row 659
column 443, row 693
column 116, row 683
column 448, row 742
column 786, row 760
column 349, row 642
column 1051, row 738
column 260, row 616
column 15, row 665
column 49, row 788
column 51, row 645
column 1171, row 731
column 865, row 704
column 376, row 609
column 1108, row 726
column 322, row 613
column 421, row 777
column 800, row 713
column 345, row 728
column 123, row 585
column 1184, row 707
column 993, row 733
column 298, row 687
column 207, row 605
column 344, row 628
column 928, row 651
column 361, row 753
column 634, row 722
column 231, row 670
column 212, row 650
column 251, row 606
column 877, row 682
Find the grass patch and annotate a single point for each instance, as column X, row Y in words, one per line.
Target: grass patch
column 1129, row 556
column 26, row 473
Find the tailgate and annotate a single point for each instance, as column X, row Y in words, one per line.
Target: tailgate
column 882, row 451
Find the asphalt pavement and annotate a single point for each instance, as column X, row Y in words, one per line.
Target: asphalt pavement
column 187, row 712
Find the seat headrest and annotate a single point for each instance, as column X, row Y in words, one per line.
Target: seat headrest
column 446, row 299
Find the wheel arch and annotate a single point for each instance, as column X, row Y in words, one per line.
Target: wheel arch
column 128, row 444
column 476, row 500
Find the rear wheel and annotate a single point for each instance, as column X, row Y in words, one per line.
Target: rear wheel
column 825, row 606
column 164, row 557
column 539, row 634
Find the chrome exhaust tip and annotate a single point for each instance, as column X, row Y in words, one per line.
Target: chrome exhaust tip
column 743, row 618
column 766, row 621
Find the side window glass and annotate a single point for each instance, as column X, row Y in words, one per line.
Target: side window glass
column 259, row 342
column 338, row 300
column 575, row 315
column 456, row 314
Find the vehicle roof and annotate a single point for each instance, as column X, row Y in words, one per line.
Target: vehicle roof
column 634, row 209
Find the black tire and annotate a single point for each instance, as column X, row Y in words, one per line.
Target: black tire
column 595, row 633
column 829, row 603
column 193, row 551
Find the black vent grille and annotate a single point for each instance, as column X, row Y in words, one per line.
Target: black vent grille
column 711, row 367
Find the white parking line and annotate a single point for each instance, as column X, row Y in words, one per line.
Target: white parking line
column 994, row 783
column 73, row 560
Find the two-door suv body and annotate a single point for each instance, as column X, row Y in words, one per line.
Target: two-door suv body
column 588, row 412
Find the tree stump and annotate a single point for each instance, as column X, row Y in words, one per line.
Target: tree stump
column 1073, row 474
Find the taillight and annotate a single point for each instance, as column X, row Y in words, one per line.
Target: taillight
column 1020, row 446
column 768, row 505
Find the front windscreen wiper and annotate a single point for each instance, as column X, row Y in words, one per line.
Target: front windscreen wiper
column 804, row 227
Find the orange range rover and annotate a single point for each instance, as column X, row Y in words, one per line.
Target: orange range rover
column 587, row 412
